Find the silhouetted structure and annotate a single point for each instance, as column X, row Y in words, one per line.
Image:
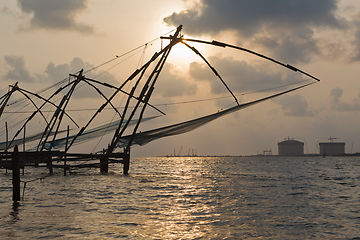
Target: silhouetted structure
column 52, row 145
column 332, row 148
column 290, row 147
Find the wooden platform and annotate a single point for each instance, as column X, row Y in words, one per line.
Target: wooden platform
column 66, row 161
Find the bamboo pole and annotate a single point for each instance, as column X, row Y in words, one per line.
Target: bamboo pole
column 23, row 159
column 7, row 139
column 16, row 174
column 7, row 136
column 126, row 163
column 66, row 144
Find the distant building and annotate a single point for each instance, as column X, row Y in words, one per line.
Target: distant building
column 332, row 148
column 290, row 147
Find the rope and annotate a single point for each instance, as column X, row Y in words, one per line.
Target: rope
column 120, row 103
column 183, row 102
column 119, row 56
column 102, row 64
column 35, row 179
column 142, row 57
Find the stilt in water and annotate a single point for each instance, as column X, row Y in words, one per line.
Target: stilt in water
column 23, row 159
column 16, row 174
column 126, row 161
column 49, row 164
column 104, row 163
column 6, row 128
column 66, row 144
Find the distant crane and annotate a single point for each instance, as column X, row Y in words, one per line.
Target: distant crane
column 180, row 151
column 267, row 152
column 317, row 147
column 331, row 139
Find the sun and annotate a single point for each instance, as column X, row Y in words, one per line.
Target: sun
column 180, row 52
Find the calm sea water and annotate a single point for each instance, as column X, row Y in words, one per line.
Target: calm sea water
column 190, row 198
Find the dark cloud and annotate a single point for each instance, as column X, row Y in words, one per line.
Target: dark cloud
column 18, row 71
column 240, row 76
column 284, row 27
column 338, row 105
column 55, row 73
column 250, row 17
column 292, row 50
column 171, row 84
column 295, row 106
column 54, row 14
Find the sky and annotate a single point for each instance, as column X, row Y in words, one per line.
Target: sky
column 44, row 41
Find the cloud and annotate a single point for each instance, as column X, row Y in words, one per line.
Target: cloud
column 285, row 28
column 338, row 105
column 5, row 9
column 56, row 15
column 355, row 56
column 239, row 76
column 250, row 17
column 171, row 84
column 292, row 49
column 18, row 70
column 55, row 73
column 336, row 94
column 294, row 105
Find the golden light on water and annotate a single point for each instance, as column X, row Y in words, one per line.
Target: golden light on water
column 184, row 213
column 191, row 198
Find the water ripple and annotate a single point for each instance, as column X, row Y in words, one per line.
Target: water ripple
column 200, row 198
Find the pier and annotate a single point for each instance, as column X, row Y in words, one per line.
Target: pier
column 63, row 160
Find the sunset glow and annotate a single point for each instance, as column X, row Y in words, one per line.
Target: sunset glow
column 43, row 44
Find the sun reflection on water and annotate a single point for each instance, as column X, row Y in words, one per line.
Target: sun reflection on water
column 192, row 198
column 187, row 211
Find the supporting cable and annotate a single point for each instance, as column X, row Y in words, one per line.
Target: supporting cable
column 213, row 69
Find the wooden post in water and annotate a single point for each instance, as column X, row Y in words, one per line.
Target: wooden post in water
column 49, row 164
column 16, row 174
column 23, row 158
column 104, row 162
column 7, row 136
column 66, row 144
column 126, row 161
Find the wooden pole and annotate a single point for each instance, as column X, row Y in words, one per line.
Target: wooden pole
column 104, row 163
column 66, row 144
column 7, row 136
column 23, row 159
column 49, row 164
column 16, row 174
column 126, row 161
